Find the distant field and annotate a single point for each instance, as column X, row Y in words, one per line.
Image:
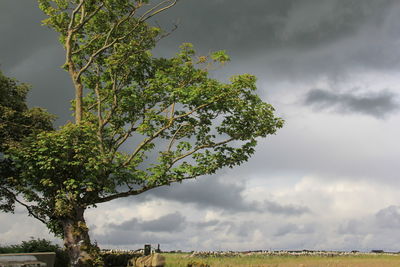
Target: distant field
column 182, row 260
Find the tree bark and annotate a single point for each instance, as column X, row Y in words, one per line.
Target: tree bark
column 77, row 241
column 78, row 102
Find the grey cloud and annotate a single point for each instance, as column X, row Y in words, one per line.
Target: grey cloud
column 207, row 192
column 377, row 105
column 134, row 238
column 211, row 192
column 292, row 228
column 32, row 54
column 246, row 229
column 241, row 229
column 389, row 217
column 207, row 223
column 351, row 227
column 282, row 39
column 269, row 24
column 136, row 232
column 293, row 210
column 22, row 37
column 167, row 223
column 288, row 228
column 291, row 39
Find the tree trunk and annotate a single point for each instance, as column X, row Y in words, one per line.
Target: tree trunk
column 77, row 241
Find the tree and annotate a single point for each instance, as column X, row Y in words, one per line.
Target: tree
column 16, row 122
column 141, row 122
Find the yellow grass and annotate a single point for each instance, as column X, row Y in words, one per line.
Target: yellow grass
column 181, row 260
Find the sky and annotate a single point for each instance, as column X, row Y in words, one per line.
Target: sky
column 328, row 180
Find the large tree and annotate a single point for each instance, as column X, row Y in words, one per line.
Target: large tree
column 140, row 122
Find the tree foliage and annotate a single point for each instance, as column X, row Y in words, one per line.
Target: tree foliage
column 140, row 121
column 17, row 121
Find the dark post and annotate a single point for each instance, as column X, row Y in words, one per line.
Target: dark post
column 147, row 250
column 158, row 250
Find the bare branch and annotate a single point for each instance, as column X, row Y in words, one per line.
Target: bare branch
column 154, row 11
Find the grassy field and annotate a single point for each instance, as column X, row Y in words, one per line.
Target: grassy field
column 182, row 260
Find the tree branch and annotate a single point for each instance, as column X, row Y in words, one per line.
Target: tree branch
column 107, row 45
column 85, row 20
column 199, row 148
column 29, row 208
column 161, row 130
column 146, row 15
column 74, row 12
column 174, row 137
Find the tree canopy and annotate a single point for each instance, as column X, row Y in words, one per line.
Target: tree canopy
column 140, row 121
column 17, row 121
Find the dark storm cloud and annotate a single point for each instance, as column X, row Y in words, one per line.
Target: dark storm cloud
column 32, row 54
column 21, row 32
column 282, row 39
column 378, row 104
column 291, row 39
column 268, row 24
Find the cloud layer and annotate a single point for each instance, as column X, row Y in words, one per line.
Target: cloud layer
column 377, row 105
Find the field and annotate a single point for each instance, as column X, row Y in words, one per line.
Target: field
column 373, row 260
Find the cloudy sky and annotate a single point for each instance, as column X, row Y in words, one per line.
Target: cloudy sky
column 327, row 180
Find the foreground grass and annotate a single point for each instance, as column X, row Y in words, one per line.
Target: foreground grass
column 181, row 260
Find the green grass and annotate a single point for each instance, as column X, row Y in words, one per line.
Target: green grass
column 181, row 260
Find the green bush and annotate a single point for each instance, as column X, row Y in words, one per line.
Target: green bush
column 39, row 245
